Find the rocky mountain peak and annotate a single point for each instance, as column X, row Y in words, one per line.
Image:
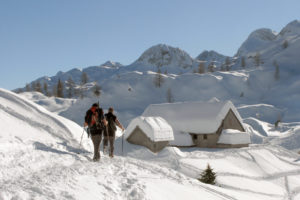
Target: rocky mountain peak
column 291, row 28
column 163, row 55
column 111, row 64
column 210, row 56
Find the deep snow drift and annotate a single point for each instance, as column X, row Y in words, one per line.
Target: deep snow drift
column 23, row 121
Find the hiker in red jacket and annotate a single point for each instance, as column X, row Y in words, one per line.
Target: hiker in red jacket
column 96, row 122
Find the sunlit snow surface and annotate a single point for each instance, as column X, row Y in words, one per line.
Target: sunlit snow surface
column 41, row 158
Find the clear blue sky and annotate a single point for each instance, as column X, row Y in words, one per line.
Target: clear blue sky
column 42, row 37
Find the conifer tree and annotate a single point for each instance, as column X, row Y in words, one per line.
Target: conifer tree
column 70, row 87
column 242, row 94
column 84, row 78
column 277, row 121
column 257, row 59
column 211, row 67
column 285, row 44
column 170, row 97
column 208, row 176
column 27, row 87
column 227, row 64
column 97, row 90
column 243, row 62
column 45, row 87
column 276, row 74
column 33, row 86
column 60, row 89
column 158, row 79
column 38, row 87
column 201, row 68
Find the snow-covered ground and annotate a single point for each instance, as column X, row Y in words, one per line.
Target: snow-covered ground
column 56, row 105
column 41, row 158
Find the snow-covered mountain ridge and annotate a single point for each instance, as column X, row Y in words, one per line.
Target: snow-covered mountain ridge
column 280, row 49
column 274, row 49
column 168, row 59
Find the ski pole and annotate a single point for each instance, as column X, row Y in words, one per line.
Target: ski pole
column 122, row 142
column 81, row 138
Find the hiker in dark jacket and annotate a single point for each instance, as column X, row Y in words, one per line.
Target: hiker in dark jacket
column 96, row 122
column 112, row 122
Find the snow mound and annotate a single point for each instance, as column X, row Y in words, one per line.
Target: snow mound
column 25, row 121
column 156, row 128
column 231, row 136
column 264, row 112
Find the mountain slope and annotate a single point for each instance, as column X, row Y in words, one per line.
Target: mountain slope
column 274, row 49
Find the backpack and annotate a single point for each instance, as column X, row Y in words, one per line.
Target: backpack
column 111, row 124
column 100, row 124
column 99, row 120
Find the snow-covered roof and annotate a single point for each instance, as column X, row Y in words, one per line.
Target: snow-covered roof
column 181, row 139
column 156, row 128
column 231, row 136
column 193, row 117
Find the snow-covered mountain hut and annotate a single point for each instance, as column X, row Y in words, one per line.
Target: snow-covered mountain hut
column 211, row 124
column 152, row 132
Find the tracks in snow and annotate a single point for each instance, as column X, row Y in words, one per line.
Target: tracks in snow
column 42, row 174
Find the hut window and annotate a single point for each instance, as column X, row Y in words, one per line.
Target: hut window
column 205, row 137
column 195, row 137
